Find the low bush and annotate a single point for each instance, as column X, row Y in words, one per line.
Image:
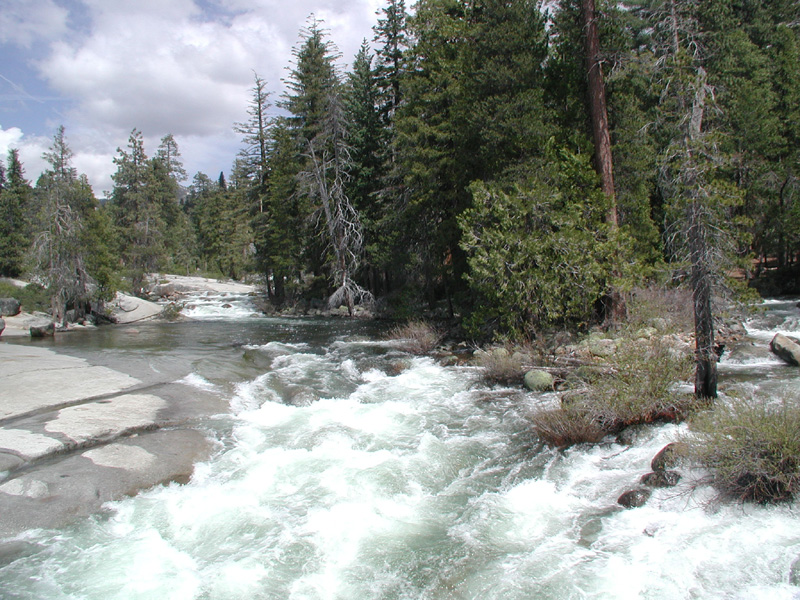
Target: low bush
column 639, row 386
column 671, row 306
column 636, row 386
column 33, row 297
column 418, row 337
column 566, row 426
column 505, row 365
column 750, row 449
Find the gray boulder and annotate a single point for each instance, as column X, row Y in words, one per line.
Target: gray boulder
column 786, row 348
column 2, row 326
column 9, row 307
column 41, row 331
column 794, row 572
column 538, row 380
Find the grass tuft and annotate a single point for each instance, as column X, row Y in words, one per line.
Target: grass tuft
column 751, row 450
column 418, row 337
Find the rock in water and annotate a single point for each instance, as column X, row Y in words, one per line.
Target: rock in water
column 634, row 498
column 786, row 349
column 9, row 307
column 660, row 479
column 794, row 572
column 668, row 456
column 539, row 381
column 48, row 330
column 2, row 326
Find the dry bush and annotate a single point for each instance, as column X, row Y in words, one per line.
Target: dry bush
column 566, row 426
column 751, row 450
column 672, row 304
column 639, row 386
column 636, row 386
column 418, row 337
column 505, row 364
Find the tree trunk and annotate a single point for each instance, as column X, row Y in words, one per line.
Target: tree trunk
column 705, row 380
column 597, row 106
column 614, row 302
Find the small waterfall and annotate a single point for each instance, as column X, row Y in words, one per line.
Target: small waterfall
column 219, row 306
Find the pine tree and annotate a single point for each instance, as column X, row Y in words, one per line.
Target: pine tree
column 59, row 250
column 137, row 213
column 15, row 206
column 320, row 125
column 367, row 139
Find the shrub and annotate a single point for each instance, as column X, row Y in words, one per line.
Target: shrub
column 33, row 297
column 419, row 337
column 672, row 305
column 637, row 386
column 751, row 450
column 567, row 426
column 505, row 364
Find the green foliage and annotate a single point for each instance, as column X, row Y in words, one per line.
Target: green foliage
column 538, row 252
column 472, row 110
column 751, row 449
column 33, row 297
column 15, row 207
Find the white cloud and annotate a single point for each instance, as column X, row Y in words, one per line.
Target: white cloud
column 30, row 149
column 23, row 21
column 174, row 67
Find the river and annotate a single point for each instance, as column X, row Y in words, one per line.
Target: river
column 347, row 469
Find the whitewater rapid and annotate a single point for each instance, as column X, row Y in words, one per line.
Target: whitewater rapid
column 353, row 471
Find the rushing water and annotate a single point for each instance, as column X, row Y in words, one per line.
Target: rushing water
column 348, row 469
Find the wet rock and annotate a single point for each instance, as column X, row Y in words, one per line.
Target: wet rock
column 227, row 306
column 2, row 326
column 539, row 381
column 632, row 434
column 794, row 572
column 634, row 498
column 668, row 456
column 41, row 331
column 786, row 348
column 660, row 479
column 9, row 307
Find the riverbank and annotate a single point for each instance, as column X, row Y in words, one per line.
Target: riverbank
column 74, row 435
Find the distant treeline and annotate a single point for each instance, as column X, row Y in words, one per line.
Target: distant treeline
column 459, row 167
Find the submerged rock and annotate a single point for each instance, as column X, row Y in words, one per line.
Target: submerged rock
column 539, row 381
column 794, row 572
column 660, row 479
column 786, row 349
column 634, row 498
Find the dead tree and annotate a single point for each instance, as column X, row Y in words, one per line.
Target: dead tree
column 324, row 180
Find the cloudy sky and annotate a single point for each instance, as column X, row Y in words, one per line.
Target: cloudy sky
column 104, row 67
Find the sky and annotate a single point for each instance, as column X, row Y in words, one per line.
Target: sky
column 101, row 68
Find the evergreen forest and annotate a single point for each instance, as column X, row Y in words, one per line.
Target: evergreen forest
column 517, row 164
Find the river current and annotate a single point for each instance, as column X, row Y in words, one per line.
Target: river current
column 347, row 469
